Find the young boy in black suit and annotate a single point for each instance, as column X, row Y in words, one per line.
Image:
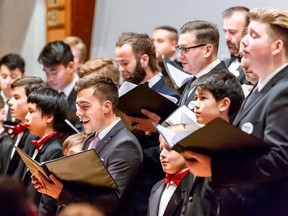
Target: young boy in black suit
column 217, row 95
column 45, row 118
column 166, row 195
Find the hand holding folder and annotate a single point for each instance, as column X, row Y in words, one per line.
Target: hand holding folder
column 84, row 168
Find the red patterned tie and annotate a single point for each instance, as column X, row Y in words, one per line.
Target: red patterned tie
column 176, row 178
column 43, row 140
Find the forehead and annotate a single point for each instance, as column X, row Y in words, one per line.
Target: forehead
column 14, row 73
column 19, row 90
column 48, row 68
column 86, row 96
column 187, row 39
column 258, row 27
column 124, row 52
column 236, row 17
column 161, row 33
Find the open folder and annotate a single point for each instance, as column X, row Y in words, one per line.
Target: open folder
column 83, row 168
column 216, row 138
column 143, row 97
column 176, row 74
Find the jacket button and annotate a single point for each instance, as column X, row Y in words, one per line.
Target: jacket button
column 190, row 199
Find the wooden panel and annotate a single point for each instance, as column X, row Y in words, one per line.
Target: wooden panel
column 82, row 20
column 70, row 18
column 56, row 34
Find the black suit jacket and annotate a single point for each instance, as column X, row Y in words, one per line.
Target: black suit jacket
column 5, row 145
column 122, row 155
column 71, row 114
column 258, row 183
column 185, row 99
column 175, row 204
column 51, row 150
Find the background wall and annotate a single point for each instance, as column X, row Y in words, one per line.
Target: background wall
column 115, row 16
column 22, row 22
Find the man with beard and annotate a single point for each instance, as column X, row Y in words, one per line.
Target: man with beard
column 136, row 56
column 235, row 22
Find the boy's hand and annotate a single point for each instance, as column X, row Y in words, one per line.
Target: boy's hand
column 145, row 124
column 198, row 164
column 42, row 185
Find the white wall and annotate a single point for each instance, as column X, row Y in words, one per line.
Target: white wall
column 115, row 16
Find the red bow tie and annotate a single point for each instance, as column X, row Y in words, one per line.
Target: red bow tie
column 43, row 140
column 19, row 128
column 175, row 178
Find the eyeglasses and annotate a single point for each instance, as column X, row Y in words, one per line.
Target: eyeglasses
column 186, row 49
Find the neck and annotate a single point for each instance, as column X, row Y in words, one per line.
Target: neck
column 149, row 74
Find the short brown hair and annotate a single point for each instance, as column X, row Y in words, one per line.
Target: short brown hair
column 101, row 66
column 141, row 44
column 74, row 139
column 30, row 83
column 78, row 44
column 104, row 88
column 205, row 32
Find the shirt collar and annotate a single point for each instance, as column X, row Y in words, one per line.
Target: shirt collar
column 262, row 83
column 154, row 80
column 68, row 89
column 105, row 131
column 208, row 68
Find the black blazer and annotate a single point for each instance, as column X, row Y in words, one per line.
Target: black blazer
column 258, row 183
column 51, row 150
column 122, row 155
column 175, row 204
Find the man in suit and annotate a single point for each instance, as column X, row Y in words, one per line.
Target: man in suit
column 235, row 22
column 119, row 150
column 165, row 39
column 258, row 182
column 58, row 65
column 136, row 56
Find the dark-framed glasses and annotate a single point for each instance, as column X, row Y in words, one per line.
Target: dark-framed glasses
column 186, row 49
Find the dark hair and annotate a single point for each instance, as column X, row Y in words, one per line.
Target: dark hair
column 14, row 198
column 223, row 84
column 141, row 44
column 2, row 104
column 30, row 84
column 169, row 29
column 104, row 88
column 56, row 53
column 229, row 11
column 13, row 61
column 50, row 102
column 205, row 32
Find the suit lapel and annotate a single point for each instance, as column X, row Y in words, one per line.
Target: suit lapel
column 154, row 200
column 174, row 202
column 108, row 137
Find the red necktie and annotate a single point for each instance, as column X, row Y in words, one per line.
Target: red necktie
column 43, row 140
column 19, row 128
column 176, row 178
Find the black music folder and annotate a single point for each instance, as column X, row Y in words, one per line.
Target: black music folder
column 143, row 97
column 83, row 168
column 216, row 138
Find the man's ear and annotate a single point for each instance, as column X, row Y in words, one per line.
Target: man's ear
column 278, row 45
column 224, row 104
column 107, row 106
column 144, row 60
column 208, row 50
column 70, row 66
